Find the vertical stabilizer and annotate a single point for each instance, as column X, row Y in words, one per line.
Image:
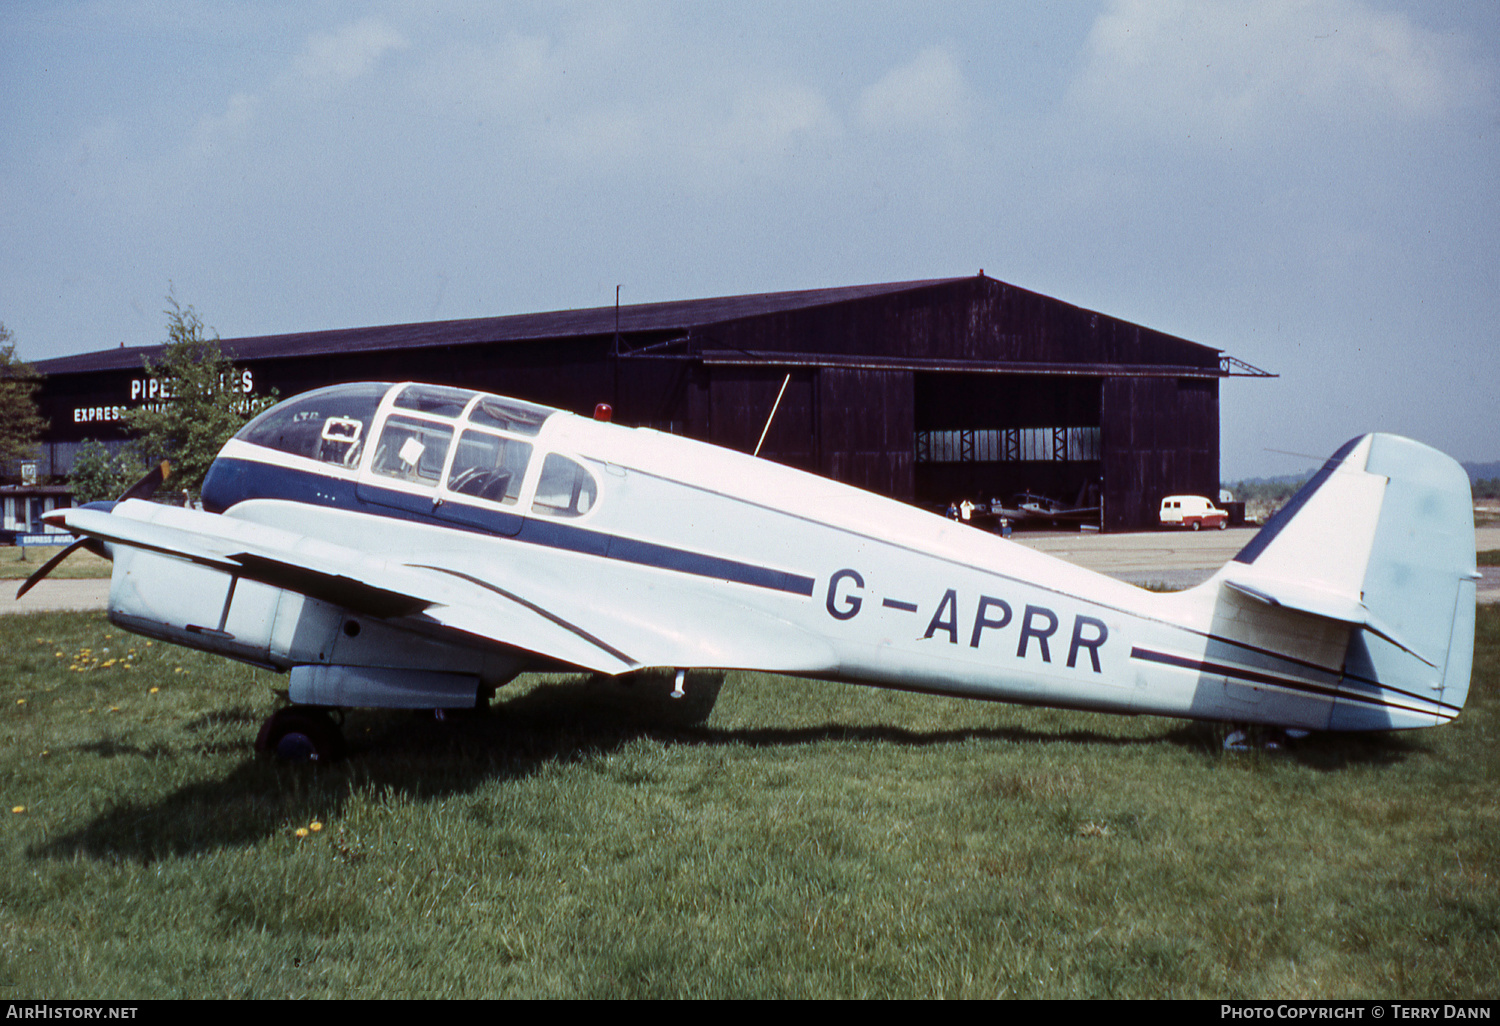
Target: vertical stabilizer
column 1381, row 538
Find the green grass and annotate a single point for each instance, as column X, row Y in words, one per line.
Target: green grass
column 19, row 562
column 804, row 840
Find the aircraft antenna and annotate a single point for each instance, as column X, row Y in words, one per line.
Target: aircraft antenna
column 774, row 406
column 617, row 320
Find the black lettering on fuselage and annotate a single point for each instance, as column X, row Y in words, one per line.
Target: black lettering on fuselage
column 1040, row 634
column 950, row 624
column 845, row 599
column 981, row 621
column 852, row 602
column 1092, row 644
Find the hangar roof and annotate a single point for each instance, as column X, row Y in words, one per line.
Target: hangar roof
column 678, row 316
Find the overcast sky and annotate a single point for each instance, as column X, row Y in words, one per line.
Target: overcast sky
column 1313, row 187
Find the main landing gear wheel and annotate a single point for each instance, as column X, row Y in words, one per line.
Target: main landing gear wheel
column 301, row 735
column 1262, row 739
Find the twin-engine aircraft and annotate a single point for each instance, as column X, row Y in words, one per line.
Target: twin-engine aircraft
column 417, row 546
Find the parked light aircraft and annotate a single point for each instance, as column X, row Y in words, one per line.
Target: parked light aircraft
column 417, row 546
column 1032, row 508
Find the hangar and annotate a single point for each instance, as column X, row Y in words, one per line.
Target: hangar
column 926, row 391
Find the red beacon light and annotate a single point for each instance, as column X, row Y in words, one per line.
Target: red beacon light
column 604, row 412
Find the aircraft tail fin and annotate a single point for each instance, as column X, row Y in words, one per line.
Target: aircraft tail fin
column 1381, row 538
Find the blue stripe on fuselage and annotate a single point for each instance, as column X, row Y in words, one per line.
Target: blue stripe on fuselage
column 232, row 481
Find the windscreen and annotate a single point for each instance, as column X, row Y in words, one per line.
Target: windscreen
column 329, row 425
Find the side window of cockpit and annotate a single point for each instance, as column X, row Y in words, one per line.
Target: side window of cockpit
column 565, row 489
column 489, row 467
column 412, row 450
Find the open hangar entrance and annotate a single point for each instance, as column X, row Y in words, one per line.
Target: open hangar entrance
column 992, row 437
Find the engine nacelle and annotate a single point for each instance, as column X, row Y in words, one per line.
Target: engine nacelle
column 382, row 688
column 337, row 657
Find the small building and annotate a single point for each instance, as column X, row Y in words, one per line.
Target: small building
column 24, row 506
column 925, row 391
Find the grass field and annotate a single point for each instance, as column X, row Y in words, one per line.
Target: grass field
column 18, row 563
column 803, row 840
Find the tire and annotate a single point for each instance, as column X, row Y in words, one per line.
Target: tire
column 301, row 735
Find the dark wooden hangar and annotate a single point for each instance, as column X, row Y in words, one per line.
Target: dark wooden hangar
column 926, row 391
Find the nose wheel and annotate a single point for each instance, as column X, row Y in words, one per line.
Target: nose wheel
column 298, row 734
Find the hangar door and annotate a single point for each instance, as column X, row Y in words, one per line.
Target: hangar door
column 992, row 436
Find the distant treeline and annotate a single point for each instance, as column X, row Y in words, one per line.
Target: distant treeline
column 1275, row 491
column 1266, row 492
column 1484, row 473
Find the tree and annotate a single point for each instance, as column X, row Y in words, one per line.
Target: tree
column 199, row 405
column 21, row 426
column 99, row 475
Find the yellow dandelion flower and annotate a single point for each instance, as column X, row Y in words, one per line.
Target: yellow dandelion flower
column 315, row 826
column 155, row 690
column 20, row 701
column 301, row 831
column 18, row 809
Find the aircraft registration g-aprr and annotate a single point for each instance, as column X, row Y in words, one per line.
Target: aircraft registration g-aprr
column 418, row 546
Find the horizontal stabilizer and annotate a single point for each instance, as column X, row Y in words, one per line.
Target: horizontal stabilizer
column 1330, row 605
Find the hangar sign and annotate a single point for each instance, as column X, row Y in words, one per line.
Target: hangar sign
column 153, row 391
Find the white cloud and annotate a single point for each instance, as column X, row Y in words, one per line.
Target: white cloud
column 769, row 120
column 350, row 51
column 1242, row 71
column 925, row 94
column 215, row 132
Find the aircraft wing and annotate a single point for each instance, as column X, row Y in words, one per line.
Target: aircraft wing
column 556, row 619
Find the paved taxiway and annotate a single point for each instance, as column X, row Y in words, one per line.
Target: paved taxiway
column 1176, row 559
column 1181, row 559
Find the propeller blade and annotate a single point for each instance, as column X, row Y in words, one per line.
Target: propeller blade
column 147, row 486
column 142, row 489
column 51, row 564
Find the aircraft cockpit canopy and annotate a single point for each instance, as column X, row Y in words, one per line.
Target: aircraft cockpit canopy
column 490, row 439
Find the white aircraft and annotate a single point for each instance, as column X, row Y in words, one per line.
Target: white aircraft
column 417, row 546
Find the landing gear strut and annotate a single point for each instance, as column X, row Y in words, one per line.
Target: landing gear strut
column 301, row 734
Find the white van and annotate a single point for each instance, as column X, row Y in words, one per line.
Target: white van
column 1192, row 511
